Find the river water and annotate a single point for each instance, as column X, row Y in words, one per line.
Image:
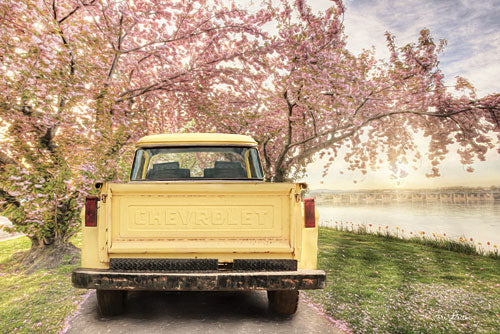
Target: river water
column 479, row 221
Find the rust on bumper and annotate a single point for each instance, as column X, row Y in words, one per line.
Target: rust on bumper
column 199, row 281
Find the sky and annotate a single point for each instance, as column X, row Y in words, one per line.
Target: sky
column 472, row 31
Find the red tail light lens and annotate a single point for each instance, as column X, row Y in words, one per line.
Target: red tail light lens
column 91, row 211
column 309, row 212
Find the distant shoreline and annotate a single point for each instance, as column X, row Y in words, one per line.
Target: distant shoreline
column 447, row 195
column 493, row 188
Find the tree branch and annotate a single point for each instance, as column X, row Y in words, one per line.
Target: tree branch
column 133, row 93
column 6, row 160
column 46, row 139
column 290, row 107
column 72, row 11
column 185, row 36
column 266, row 156
column 333, row 140
column 117, row 50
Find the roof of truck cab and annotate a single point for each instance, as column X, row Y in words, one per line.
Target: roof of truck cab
column 196, row 139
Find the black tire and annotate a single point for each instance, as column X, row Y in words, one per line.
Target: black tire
column 111, row 302
column 283, row 302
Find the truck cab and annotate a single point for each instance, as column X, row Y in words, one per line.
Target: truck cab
column 197, row 215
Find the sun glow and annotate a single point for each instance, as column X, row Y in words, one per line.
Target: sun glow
column 399, row 170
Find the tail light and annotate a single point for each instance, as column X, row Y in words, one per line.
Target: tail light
column 309, row 212
column 91, row 211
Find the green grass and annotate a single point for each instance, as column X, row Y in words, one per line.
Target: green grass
column 387, row 285
column 37, row 302
column 461, row 245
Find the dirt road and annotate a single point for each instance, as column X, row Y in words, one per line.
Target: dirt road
column 200, row 313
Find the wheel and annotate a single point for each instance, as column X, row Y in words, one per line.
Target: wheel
column 111, row 302
column 283, row 302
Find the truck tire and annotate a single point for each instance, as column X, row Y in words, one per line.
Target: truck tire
column 283, row 302
column 111, row 302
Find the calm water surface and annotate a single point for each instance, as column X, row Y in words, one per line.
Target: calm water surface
column 478, row 221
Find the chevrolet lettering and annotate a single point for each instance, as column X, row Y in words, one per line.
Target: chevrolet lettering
column 199, row 217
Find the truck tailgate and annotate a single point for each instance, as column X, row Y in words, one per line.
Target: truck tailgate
column 194, row 219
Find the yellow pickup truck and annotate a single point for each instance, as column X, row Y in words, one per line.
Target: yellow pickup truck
column 198, row 216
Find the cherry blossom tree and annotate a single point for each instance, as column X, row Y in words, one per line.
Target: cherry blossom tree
column 317, row 97
column 77, row 77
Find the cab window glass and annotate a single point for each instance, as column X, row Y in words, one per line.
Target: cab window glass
column 171, row 163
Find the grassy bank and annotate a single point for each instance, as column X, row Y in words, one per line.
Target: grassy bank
column 462, row 244
column 38, row 302
column 388, row 285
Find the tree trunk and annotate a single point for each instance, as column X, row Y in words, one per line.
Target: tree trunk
column 35, row 243
column 49, row 256
column 280, row 176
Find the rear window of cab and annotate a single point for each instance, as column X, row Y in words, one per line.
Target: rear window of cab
column 200, row 162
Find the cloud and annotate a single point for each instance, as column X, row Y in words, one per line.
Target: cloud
column 365, row 31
